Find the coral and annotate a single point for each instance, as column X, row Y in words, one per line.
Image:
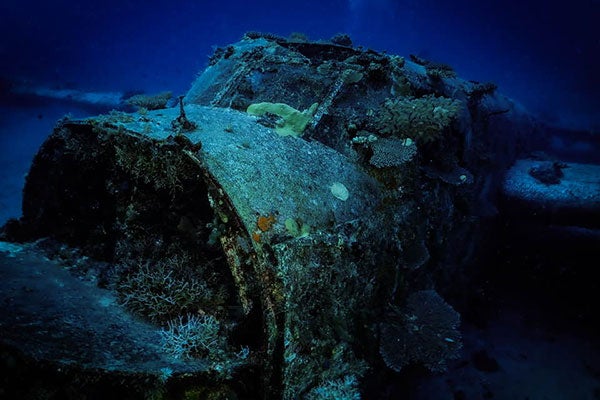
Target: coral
column 423, row 331
column 400, row 84
column 418, row 60
column 194, row 336
column 150, row 102
column 203, row 336
column 437, row 71
column 292, row 122
column 341, row 39
column 434, row 70
column 296, row 228
column 340, row 389
column 152, row 163
column 265, row 222
column 263, row 35
column 392, row 152
column 339, row 191
column 162, row 291
column 478, row 90
column 423, row 119
column 298, row 37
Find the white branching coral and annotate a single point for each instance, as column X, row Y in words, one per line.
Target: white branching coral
column 162, row 291
column 193, row 336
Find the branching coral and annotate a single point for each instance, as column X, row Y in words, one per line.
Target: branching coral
column 193, row 336
column 345, row 388
column 162, row 291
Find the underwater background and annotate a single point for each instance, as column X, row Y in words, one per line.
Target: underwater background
column 528, row 308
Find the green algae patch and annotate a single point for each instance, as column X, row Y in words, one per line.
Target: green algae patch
column 292, row 122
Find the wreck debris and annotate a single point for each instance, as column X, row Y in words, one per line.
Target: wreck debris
column 182, row 123
column 288, row 253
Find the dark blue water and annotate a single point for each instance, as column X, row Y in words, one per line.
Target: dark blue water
column 542, row 53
